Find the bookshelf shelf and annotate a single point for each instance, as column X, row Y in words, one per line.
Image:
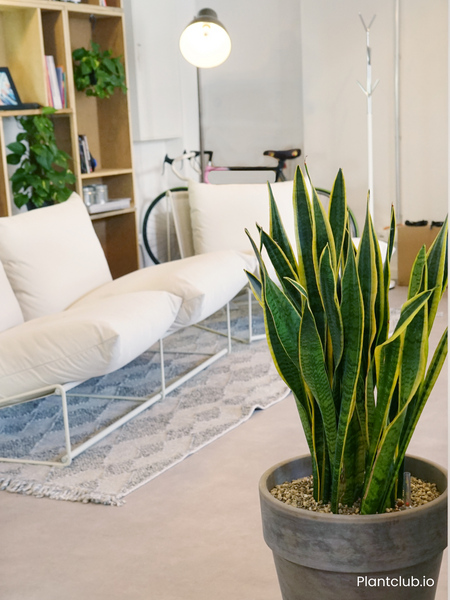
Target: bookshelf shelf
column 100, row 173
column 112, row 213
column 36, row 111
column 32, row 29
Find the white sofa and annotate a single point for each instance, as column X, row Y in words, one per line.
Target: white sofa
column 64, row 320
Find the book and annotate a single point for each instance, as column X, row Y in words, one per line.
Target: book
column 83, row 162
column 60, row 79
column 85, row 155
column 53, row 79
column 47, row 83
column 117, row 204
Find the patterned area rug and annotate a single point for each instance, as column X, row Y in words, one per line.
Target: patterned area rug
column 212, row 403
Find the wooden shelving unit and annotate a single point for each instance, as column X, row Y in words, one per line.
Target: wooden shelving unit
column 31, row 29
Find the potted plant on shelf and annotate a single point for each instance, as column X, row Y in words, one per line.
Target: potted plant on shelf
column 43, row 175
column 359, row 394
column 98, row 73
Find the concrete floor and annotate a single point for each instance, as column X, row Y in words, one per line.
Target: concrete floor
column 193, row 533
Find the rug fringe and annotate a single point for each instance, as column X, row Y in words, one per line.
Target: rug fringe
column 15, row 486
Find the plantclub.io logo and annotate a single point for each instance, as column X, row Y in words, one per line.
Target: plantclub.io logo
column 365, row 581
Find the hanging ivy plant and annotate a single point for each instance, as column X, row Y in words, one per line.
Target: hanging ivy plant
column 43, row 175
column 98, row 73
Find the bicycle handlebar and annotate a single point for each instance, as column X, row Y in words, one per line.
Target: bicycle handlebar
column 186, row 156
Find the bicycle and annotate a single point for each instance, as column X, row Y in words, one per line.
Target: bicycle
column 164, row 248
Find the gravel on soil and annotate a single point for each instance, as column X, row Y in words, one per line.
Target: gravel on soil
column 299, row 493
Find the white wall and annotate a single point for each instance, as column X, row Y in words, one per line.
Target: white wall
column 253, row 101
column 333, row 50
column 149, row 155
column 291, row 80
column 424, row 113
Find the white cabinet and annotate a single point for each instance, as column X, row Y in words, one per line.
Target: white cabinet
column 153, row 63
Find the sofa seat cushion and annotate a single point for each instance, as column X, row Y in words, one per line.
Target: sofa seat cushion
column 221, row 213
column 10, row 311
column 52, row 256
column 205, row 283
column 83, row 342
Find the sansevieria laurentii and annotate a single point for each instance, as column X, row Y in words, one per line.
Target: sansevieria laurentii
column 359, row 392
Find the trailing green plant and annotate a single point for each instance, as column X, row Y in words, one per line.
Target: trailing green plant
column 43, row 174
column 358, row 391
column 98, row 73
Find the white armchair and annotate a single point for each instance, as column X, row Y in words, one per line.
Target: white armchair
column 64, row 319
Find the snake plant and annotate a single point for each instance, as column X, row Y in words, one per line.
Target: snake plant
column 358, row 391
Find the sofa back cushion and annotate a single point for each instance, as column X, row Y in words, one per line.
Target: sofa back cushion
column 10, row 312
column 52, row 257
column 221, row 213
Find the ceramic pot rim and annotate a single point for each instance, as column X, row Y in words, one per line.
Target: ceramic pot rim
column 336, row 518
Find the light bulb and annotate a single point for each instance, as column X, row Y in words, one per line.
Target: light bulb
column 205, row 42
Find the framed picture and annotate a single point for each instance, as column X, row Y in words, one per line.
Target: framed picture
column 8, row 93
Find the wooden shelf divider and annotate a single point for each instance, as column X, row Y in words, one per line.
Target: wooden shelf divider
column 30, row 29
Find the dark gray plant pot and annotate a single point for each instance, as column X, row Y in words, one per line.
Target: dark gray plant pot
column 320, row 556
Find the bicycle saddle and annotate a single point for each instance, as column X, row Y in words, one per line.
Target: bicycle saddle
column 283, row 154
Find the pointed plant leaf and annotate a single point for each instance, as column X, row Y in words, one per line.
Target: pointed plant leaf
column 418, row 280
column 337, row 214
column 410, row 309
column 367, row 272
column 352, row 312
column 323, row 234
column 285, row 318
column 377, row 483
column 304, row 226
column 282, row 267
column 278, row 233
column 414, row 358
column 331, row 304
column 312, row 364
column 255, row 285
column 384, row 331
column 436, row 269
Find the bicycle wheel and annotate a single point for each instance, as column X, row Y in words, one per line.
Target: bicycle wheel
column 324, row 196
column 154, row 229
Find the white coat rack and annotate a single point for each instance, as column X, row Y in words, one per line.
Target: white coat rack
column 368, row 90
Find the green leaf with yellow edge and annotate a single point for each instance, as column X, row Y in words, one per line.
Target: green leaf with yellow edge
column 323, row 234
column 282, row 267
column 290, row 373
column 422, row 396
column 331, row 304
column 374, row 498
column 414, row 358
column 381, row 310
column 312, row 364
column 436, row 271
column 384, row 329
column 418, row 280
column 255, row 286
column 285, row 317
column 337, row 214
column 367, row 273
column 278, row 233
column 352, row 312
column 304, row 226
column 387, row 360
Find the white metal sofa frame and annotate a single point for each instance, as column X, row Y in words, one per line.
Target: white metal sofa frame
column 177, row 203
column 145, row 402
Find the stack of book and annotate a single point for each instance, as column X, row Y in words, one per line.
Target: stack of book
column 116, row 204
column 85, row 155
column 56, row 84
column 103, row 3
